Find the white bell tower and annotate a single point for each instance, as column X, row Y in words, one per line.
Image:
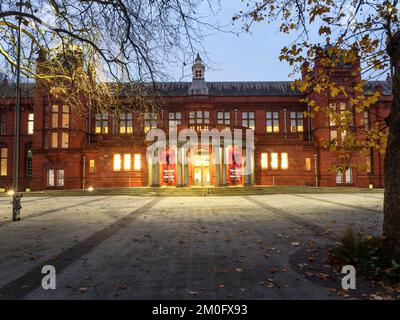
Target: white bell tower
column 199, row 86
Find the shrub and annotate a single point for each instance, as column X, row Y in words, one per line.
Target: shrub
column 367, row 255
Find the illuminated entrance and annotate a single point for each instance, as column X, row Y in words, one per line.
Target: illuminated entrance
column 201, row 168
column 198, row 167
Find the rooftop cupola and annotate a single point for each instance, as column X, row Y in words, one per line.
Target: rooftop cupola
column 199, row 85
column 198, row 69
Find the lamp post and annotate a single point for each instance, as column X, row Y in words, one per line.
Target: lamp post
column 316, row 169
column 17, row 112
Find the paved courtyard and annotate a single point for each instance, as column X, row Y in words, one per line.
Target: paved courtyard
column 124, row 247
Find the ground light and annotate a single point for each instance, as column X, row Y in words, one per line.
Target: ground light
column 10, row 192
column 90, row 189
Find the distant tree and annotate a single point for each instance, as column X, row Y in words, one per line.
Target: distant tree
column 345, row 32
column 121, row 41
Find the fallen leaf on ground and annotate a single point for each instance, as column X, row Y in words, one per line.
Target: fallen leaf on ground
column 193, row 293
column 272, row 270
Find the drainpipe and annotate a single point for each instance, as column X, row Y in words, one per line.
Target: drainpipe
column 316, row 170
column 309, row 124
column 83, row 172
column 89, row 126
column 284, row 121
column 17, row 108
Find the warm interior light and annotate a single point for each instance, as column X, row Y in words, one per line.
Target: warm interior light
column 264, row 160
column 274, row 160
column 136, row 163
column 284, row 161
column 127, row 161
column 117, row 162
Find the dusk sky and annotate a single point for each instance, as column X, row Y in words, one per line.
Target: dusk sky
column 244, row 57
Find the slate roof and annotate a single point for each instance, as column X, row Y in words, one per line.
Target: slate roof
column 386, row 86
column 262, row 88
column 8, row 90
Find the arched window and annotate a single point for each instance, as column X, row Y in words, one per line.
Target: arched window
column 28, row 160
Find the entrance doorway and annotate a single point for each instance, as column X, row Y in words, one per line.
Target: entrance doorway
column 201, row 176
column 201, row 170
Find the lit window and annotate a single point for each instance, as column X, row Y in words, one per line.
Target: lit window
column 65, row 140
column 366, row 120
column 150, row 121
column 284, row 161
column 343, row 134
column 127, row 162
column 54, row 139
column 3, row 123
column 333, row 136
column 175, row 119
column 332, row 112
column 91, row 166
column 50, row 178
column 349, row 175
column 30, row 123
column 55, row 178
column 136, row 165
column 117, row 162
column 224, row 118
column 308, row 164
column 264, row 160
column 199, row 119
column 274, row 161
column 296, row 122
column 3, row 158
column 60, row 178
column 54, row 116
column 126, row 123
column 272, row 122
column 339, row 175
column 248, row 120
column 101, row 123
column 65, row 117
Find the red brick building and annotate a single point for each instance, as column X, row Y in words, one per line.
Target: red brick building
column 61, row 151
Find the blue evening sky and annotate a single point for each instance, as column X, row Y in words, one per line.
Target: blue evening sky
column 247, row 56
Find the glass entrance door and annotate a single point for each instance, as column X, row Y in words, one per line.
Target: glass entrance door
column 201, row 174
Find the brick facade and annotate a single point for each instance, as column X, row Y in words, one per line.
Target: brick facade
column 74, row 152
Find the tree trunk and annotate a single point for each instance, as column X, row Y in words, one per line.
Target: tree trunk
column 391, row 222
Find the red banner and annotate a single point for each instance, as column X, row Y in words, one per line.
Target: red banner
column 169, row 168
column 235, row 167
